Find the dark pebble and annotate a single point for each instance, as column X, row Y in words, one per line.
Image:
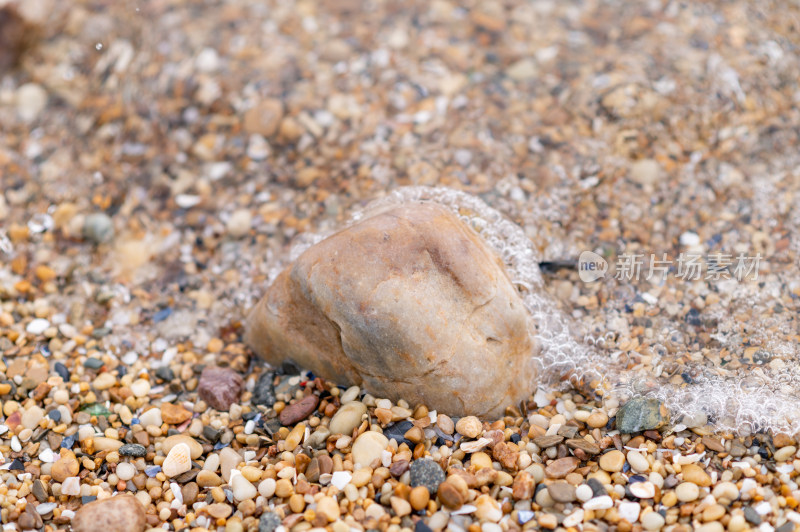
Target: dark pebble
column 422, row 527
column 597, row 487
column 162, row 314
column 87, row 499
column 101, row 332
column 55, row 415
column 397, row 430
column 164, row 373
column 17, row 465
column 68, row 442
column 641, row 414
column 298, row 411
column 693, row 317
column 269, row 522
column 132, row 449
column 211, row 434
column 752, row 516
column 426, row 473
column 264, row 392
column 93, row 363
column 26, row 521
column 62, row 371
column 788, row 526
column 39, row 491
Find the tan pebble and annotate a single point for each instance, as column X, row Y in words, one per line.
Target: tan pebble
column 207, row 479
column 785, row 453
column 174, row 414
column 469, row 426
column 178, row 460
column 362, row 477
column 294, row 437
column 782, row 440
column 612, row 461
column 106, row 444
column 283, row 488
column 695, row 474
column 669, row 499
column 713, row 512
column 219, row 510
column 488, row 509
column 419, row 497
column 687, row 492
column 480, row 460
column 66, row 466
column 450, row 495
column 251, row 473
column 297, row 503
column 715, row 526
column 369, row 448
column 597, row 420
column 726, row 491
column 328, row 507
column 195, row 449
column 400, row 507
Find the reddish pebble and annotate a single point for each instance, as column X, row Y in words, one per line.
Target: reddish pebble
column 300, row 410
column 219, row 387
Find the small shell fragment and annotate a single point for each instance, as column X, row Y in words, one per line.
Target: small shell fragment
column 178, row 460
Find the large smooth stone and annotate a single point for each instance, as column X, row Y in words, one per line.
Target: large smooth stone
column 410, row 303
column 121, row 513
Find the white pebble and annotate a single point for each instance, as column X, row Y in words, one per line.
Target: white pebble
column 689, row 239
column 140, row 387
column 71, row 486
column 652, row 521
column 46, row 508
column 242, row 488
column 643, row 490
column 573, row 519
column 125, row 471
column 340, row 479
column 629, row 511
column 38, row 326
column 351, row 394
column 31, row 101
column 151, row 417
column 583, row 492
column 239, row 223
column 638, row 462
column 602, row 502
column 267, row 487
column 687, row 492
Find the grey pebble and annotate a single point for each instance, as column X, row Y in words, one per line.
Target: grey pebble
column 98, row 228
column 426, row 473
column 132, row 449
column 268, row 522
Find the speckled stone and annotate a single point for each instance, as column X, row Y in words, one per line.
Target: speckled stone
column 426, row 473
column 269, row 522
column 641, row 413
column 132, row 449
